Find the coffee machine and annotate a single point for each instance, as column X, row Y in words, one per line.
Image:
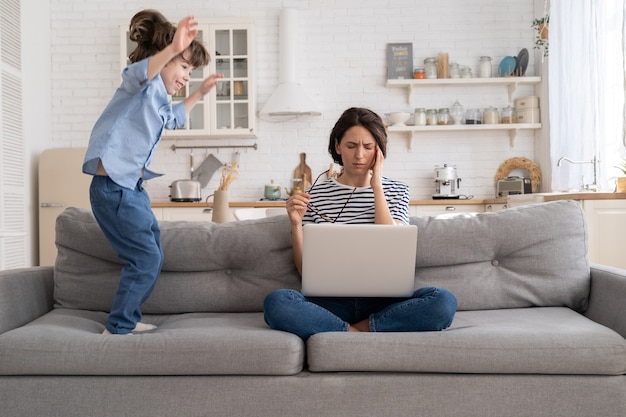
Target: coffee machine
column 446, row 182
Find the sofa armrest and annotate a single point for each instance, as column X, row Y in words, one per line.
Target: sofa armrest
column 25, row 294
column 607, row 299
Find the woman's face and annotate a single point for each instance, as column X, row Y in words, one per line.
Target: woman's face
column 175, row 74
column 357, row 149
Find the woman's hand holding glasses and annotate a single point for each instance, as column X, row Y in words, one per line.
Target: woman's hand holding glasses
column 296, row 207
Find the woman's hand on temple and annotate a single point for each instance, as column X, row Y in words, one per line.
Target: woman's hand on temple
column 377, row 169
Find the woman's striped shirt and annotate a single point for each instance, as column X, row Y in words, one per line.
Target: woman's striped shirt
column 332, row 201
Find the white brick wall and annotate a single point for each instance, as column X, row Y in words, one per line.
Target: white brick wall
column 341, row 63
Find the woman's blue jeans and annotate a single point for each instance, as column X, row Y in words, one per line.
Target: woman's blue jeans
column 128, row 223
column 428, row 309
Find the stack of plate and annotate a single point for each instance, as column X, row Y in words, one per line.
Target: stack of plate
column 512, row 66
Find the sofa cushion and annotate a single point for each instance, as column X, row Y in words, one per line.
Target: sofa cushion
column 541, row 340
column 69, row 342
column 532, row 255
column 207, row 267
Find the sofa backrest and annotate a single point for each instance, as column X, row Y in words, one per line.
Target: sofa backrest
column 206, row 267
column 533, row 255
column 520, row 257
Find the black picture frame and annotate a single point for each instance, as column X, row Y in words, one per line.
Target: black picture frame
column 399, row 61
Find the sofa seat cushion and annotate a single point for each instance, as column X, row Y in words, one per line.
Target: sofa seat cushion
column 538, row 340
column 69, row 342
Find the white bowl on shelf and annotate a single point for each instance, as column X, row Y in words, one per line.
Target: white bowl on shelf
column 398, row 118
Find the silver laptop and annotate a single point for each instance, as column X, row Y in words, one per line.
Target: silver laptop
column 349, row 260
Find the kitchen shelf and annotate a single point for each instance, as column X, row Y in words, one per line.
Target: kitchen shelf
column 512, row 128
column 510, row 82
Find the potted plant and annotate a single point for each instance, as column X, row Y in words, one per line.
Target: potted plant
column 620, row 186
column 541, row 25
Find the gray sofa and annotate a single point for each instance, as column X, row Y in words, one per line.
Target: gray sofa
column 538, row 332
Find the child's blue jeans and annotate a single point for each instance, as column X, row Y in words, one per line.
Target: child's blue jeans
column 429, row 309
column 129, row 224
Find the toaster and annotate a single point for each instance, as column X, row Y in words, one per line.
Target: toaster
column 185, row 191
column 513, row 185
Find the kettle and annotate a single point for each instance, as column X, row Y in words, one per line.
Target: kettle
column 185, row 191
column 272, row 191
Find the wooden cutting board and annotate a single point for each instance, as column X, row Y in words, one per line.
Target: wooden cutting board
column 303, row 171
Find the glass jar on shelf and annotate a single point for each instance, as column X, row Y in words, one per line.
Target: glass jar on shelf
column 473, row 117
column 465, row 71
column 508, row 115
column 419, row 73
column 456, row 113
column 419, row 118
column 484, row 67
column 443, row 117
column 431, row 117
column 430, row 67
column 454, row 70
column 491, row 116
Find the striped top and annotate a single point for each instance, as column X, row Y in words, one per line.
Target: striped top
column 329, row 197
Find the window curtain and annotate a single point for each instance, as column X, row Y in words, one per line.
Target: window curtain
column 586, row 91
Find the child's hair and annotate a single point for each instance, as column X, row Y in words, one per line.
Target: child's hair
column 153, row 32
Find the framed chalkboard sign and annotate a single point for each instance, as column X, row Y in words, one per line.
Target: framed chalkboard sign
column 399, row 61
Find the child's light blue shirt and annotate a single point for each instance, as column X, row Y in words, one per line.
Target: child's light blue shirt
column 126, row 135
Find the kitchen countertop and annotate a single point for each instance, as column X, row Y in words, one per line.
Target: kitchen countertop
column 281, row 203
column 582, row 195
column 536, row 197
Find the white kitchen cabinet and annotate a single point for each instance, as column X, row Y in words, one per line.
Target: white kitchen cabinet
column 441, row 209
column 194, row 214
column 229, row 110
column 511, row 84
column 606, row 220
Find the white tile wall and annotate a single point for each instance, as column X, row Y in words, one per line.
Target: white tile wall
column 341, row 63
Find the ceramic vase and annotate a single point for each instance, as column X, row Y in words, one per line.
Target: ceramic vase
column 221, row 212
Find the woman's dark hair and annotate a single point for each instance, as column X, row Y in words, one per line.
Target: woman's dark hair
column 153, row 32
column 357, row 116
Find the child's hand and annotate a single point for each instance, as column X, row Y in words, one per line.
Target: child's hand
column 209, row 82
column 185, row 33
